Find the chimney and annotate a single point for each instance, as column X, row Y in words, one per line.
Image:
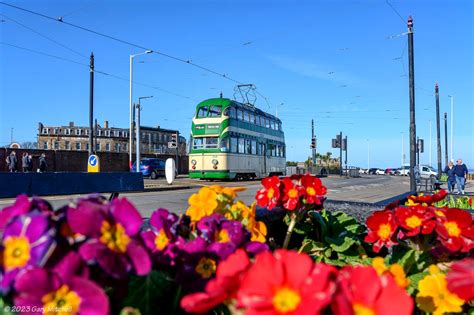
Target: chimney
column 71, row 124
column 106, row 124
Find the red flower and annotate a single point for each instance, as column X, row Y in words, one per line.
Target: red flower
column 416, row 220
column 270, row 194
column 382, row 227
column 362, row 291
column 461, row 279
column 223, row 287
column 455, row 230
column 313, row 189
column 286, row 283
column 292, row 193
column 429, row 199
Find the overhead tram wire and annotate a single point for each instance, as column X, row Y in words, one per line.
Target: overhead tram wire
column 223, row 75
column 44, row 36
column 98, row 71
column 395, row 10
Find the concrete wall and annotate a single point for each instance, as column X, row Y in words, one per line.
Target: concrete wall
column 76, row 161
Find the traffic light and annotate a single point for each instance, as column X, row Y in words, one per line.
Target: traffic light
column 313, row 143
column 421, row 145
column 174, row 141
column 344, row 144
column 335, row 143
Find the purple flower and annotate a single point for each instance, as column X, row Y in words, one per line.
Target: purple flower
column 224, row 235
column 161, row 237
column 61, row 290
column 112, row 232
column 20, row 207
column 27, row 241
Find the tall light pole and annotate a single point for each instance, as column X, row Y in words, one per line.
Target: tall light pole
column 368, row 155
column 138, row 108
column 130, row 145
column 281, row 104
column 452, row 124
column 430, row 142
column 411, row 87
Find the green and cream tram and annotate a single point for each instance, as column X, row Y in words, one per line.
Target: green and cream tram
column 231, row 140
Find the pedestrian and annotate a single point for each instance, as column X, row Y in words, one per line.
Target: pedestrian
column 12, row 162
column 30, row 163
column 460, row 171
column 24, row 162
column 42, row 163
column 449, row 170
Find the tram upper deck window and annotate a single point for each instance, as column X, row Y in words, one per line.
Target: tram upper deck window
column 202, row 112
column 246, row 116
column 198, row 143
column 230, row 112
column 211, row 142
column 240, row 114
column 215, row 111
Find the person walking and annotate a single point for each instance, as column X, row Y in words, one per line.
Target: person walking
column 12, row 162
column 42, row 163
column 24, row 162
column 30, row 163
column 460, row 171
column 449, row 170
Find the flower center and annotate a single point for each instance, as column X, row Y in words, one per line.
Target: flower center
column 360, row 309
column 310, row 191
column 293, row 193
column 453, row 229
column 270, row 193
column 413, row 222
column 206, row 267
column 16, row 253
column 62, row 301
column 161, row 240
column 223, row 237
column 286, row 300
column 439, row 213
column 384, row 231
column 114, row 237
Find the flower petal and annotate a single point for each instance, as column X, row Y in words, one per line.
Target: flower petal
column 127, row 215
column 140, row 260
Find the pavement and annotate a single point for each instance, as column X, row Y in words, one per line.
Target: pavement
column 158, row 194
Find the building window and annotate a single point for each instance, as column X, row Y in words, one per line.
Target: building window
column 45, row 131
column 56, row 145
column 55, row 131
column 87, row 146
column 67, row 145
column 77, row 132
column 78, row 146
column 68, row 131
column 107, row 147
column 87, row 132
column 97, row 146
column 125, row 134
column 45, row 145
column 116, row 133
column 107, row 133
column 117, row 147
column 125, row 146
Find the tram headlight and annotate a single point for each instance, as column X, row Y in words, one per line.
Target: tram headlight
column 193, row 162
column 214, row 163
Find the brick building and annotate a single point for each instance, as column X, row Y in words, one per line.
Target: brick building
column 106, row 139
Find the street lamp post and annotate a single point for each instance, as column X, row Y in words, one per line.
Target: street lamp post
column 368, row 155
column 130, row 145
column 138, row 108
column 452, row 115
column 276, row 113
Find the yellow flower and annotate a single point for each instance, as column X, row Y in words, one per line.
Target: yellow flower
column 202, row 204
column 395, row 270
column 258, row 229
column 433, row 295
column 240, row 210
column 410, row 203
column 230, row 192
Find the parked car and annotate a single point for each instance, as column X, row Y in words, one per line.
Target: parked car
column 151, row 167
column 372, row 171
column 388, row 171
column 405, row 170
column 380, row 171
column 425, row 171
column 396, row 171
column 363, row 171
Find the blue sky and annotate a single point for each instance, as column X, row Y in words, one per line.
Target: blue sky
column 335, row 61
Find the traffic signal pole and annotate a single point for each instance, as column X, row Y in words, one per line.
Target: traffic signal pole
column 411, row 76
column 177, row 152
column 340, row 154
column 438, row 130
column 313, row 146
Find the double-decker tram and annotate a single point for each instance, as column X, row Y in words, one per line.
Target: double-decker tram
column 231, row 140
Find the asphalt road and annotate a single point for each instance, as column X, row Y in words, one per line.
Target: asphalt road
column 364, row 189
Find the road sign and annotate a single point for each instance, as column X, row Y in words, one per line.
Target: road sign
column 171, row 145
column 170, row 170
column 93, row 164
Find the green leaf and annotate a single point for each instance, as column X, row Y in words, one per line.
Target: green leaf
column 355, row 228
column 318, row 218
column 407, row 260
column 339, row 244
column 414, row 279
column 5, row 307
column 303, row 228
column 151, row 294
